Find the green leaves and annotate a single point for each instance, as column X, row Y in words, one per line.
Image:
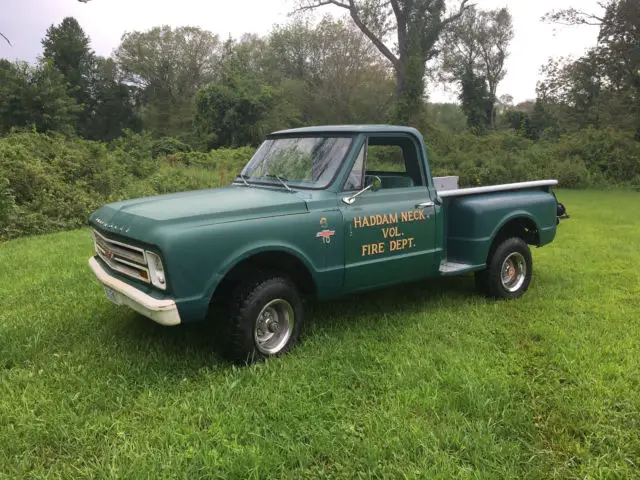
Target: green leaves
column 34, row 97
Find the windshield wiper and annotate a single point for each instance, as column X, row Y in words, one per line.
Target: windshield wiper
column 282, row 180
column 244, row 179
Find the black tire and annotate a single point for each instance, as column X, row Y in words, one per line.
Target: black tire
column 246, row 336
column 512, row 255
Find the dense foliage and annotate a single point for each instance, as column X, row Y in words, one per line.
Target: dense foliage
column 50, row 182
column 78, row 130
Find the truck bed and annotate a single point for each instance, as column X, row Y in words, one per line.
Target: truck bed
column 459, row 192
column 473, row 217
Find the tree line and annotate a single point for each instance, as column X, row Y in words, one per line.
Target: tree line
column 188, row 83
column 376, row 65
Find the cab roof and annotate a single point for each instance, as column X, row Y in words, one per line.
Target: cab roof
column 348, row 129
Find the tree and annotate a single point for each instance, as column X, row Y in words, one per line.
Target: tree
column 67, row 47
column 34, row 97
column 611, row 70
column 342, row 77
column 475, row 101
column 166, row 67
column 111, row 109
column 105, row 104
column 477, row 45
column 233, row 113
column 417, row 25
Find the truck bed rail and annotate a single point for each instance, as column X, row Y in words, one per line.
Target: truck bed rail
column 496, row 188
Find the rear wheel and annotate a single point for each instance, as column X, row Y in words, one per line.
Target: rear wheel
column 509, row 270
column 264, row 319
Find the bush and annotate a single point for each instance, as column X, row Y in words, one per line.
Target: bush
column 587, row 158
column 168, row 146
column 612, row 154
column 52, row 182
column 134, row 151
column 7, row 203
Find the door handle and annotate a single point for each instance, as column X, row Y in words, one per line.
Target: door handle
column 425, row 205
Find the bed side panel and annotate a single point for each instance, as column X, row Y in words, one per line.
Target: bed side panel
column 473, row 221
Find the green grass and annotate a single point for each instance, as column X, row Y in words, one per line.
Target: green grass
column 428, row 380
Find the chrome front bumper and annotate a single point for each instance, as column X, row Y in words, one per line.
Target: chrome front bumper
column 164, row 312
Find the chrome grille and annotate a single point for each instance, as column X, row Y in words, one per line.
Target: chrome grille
column 121, row 257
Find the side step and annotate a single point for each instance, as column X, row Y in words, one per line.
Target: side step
column 453, row 268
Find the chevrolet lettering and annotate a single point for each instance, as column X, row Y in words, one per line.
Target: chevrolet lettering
column 319, row 212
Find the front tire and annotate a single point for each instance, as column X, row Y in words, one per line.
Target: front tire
column 509, row 270
column 264, row 319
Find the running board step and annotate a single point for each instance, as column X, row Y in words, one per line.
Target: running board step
column 455, row 268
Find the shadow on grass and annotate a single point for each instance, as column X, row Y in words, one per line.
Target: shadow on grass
column 193, row 346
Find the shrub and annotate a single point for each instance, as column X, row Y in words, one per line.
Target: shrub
column 7, row 202
column 168, row 146
column 52, row 182
column 612, row 153
column 134, row 151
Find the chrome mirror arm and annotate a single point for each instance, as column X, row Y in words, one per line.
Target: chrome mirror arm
column 374, row 186
column 350, row 200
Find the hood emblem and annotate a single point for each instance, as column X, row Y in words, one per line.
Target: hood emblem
column 111, row 226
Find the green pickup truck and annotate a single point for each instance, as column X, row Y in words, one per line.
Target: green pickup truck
column 317, row 212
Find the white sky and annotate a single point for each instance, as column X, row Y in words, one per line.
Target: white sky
column 25, row 23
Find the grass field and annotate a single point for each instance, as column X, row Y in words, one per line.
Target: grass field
column 429, row 380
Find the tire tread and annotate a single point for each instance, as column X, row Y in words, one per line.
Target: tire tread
column 238, row 331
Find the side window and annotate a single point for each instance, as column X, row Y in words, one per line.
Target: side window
column 386, row 158
column 354, row 181
column 395, row 160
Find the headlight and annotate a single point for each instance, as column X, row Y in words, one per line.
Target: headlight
column 156, row 271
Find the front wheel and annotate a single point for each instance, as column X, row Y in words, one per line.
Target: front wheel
column 264, row 319
column 509, row 270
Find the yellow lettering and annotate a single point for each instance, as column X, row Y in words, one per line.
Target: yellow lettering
column 373, row 249
column 390, row 232
column 404, row 216
column 357, row 222
column 401, row 244
column 393, row 217
column 421, row 214
column 365, row 222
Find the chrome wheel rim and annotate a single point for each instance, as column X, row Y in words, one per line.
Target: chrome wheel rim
column 513, row 272
column 274, row 326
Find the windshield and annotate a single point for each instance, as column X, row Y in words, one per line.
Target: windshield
column 300, row 162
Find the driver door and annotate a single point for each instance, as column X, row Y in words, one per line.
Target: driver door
column 389, row 233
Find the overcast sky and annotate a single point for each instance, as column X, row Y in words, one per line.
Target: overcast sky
column 24, row 22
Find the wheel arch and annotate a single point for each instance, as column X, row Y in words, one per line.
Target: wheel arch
column 520, row 224
column 273, row 258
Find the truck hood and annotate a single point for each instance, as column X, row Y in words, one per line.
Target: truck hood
column 134, row 217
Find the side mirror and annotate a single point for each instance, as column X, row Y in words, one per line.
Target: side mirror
column 374, row 184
